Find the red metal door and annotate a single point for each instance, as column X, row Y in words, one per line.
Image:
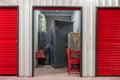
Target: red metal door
column 108, row 42
column 8, row 40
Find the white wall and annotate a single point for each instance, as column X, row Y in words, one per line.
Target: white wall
column 36, row 13
column 21, row 44
column 9, row 2
column 76, row 18
column 109, row 3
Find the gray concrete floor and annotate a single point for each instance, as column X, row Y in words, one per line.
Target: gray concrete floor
column 49, row 73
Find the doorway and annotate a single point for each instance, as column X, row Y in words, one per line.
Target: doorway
column 52, row 27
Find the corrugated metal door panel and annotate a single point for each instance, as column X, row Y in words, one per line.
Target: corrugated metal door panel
column 8, row 40
column 108, row 42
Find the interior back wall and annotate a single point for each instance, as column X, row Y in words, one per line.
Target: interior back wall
column 77, row 21
column 49, row 20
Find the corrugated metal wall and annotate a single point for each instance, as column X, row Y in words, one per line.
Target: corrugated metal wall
column 57, row 2
column 25, row 30
column 9, row 2
column 106, row 3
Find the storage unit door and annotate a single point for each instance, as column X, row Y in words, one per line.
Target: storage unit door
column 8, row 40
column 108, row 42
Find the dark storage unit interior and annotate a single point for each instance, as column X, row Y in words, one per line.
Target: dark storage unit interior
column 108, row 42
column 51, row 29
column 8, row 40
column 58, row 42
column 47, row 38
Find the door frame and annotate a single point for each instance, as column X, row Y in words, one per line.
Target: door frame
column 96, row 40
column 17, row 7
column 57, row 8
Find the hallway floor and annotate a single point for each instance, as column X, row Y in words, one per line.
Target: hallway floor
column 49, row 73
column 57, row 78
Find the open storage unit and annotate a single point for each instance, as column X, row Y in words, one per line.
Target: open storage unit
column 59, row 21
column 108, row 41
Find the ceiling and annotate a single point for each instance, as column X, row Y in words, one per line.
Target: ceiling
column 57, row 12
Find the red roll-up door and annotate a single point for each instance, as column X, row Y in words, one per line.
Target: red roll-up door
column 8, row 40
column 108, row 42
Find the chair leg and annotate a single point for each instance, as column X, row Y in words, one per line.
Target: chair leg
column 68, row 68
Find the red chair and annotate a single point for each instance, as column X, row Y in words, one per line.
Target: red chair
column 71, row 60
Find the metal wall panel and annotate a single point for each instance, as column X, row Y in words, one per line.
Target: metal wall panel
column 106, row 3
column 9, row 2
column 8, row 40
column 115, row 2
column 57, row 2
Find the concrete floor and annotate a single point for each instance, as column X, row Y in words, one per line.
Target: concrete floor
column 57, row 78
column 49, row 73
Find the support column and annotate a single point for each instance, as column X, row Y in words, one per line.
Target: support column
column 30, row 42
column 89, row 22
column 27, row 44
column 84, row 38
column 21, row 41
column 92, row 39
